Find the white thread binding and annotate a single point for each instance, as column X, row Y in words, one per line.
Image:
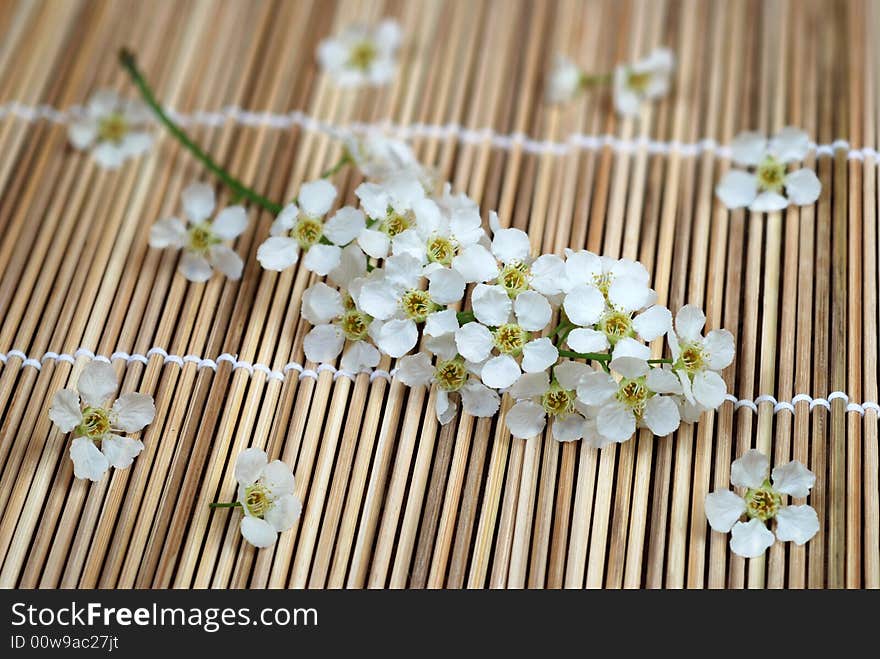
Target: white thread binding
column 303, row 372
column 508, row 142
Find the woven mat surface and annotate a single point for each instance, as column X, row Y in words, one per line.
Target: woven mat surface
column 391, row 498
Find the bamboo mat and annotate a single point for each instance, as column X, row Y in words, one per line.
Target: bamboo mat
column 391, row 499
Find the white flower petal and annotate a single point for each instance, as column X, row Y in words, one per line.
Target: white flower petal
column 789, row 145
column 278, row 253
column 751, row 470
column 719, row 349
column 322, row 259
column 584, row 305
column 723, row 510
column 539, row 355
column 767, row 202
column 361, row 356
column 653, row 323
column 415, row 370
column 230, row 222
column 194, row 268
column 285, row 221
column 82, row 133
column 474, row 342
column 476, row 264
column 750, row 539
column 170, row 232
column 548, row 274
column 316, row 197
column 500, row 372
column 352, row 265
column 491, row 304
column 374, row 243
column 249, row 465
column 709, row 389
column 793, row 479
column 615, row 422
column 532, row 311
column 581, row 267
column 663, row 381
column 748, row 148
column 108, row 155
column 278, row 479
column 661, row 415
column 377, row 298
column 446, row 286
column 198, row 202
column 564, row 81
column 394, row 337
column 445, row 408
column 97, row 383
column 629, row 294
column 134, row 412
column 689, row 322
column 511, row 245
column 443, row 346
column 284, row 513
column 258, row 532
column 630, row 367
column 226, row 261
column 345, row 225
column 797, row 524
column 803, row 187
column 568, row 429
column 596, row 388
column 629, row 347
column 569, row 374
column 321, row 304
column 526, row 419
column 323, row 343
column 441, row 322
column 587, row 340
column 530, row 385
column 479, row 400
column 737, row 189
column 121, row 451
column 65, row 411
column 88, row 461
column 103, row 102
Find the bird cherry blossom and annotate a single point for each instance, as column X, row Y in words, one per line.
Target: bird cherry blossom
column 266, row 496
column 646, row 79
column 564, row 81
column 380, row 158
column 113, row 128
column 745, row 517
column 201, row 239
column 550, row 394
column 98, row 426
column 362, row 55
column 771, row 187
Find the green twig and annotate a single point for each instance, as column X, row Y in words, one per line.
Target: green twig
column 239, row 189
column 595, row 356
column 660, row 361
column 334, row 169
column 231, row 504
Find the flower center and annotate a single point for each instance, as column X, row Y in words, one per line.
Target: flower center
column 514, row 278
column 557, row 401
column 771, row 175
column 638, row 82
column 616, row 325
column 202, row 238
column 510, row 339
column 417, row 305
column 602, row 281
column 634, row 394
column 355, row 325
column 308, row 231
column 362, row 55
column 396, row 223
column 692, row 358
column 763, row 502
column 441, row 250
column 95, row 423
column 257, row 500
column 451, row 374
column 112, row 128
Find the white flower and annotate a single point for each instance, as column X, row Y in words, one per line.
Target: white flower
column 393, row 206
column 771, row 187
column 646, row 79
column 698, row 361
column 640, row 396
column 451, row 376
column 538, row 396
column 266, row 494
column 202, row 240
column 361, row 55
column 564, row 81
column 380, row 157
column 301, row 226
column 762, row 502
column 113, row 128
column 336, row 319
column 96, row 423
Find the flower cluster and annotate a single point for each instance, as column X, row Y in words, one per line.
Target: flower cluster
column 760, row 503
column 413, row 274
column 98, row 425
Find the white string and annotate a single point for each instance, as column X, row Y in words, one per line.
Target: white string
column 509, row 142
column 303, row 372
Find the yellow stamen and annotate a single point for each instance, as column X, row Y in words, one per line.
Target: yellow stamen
column 257, row 499
column 451, row 375
column 363, row 55
column 771, row 175
column 112, row 128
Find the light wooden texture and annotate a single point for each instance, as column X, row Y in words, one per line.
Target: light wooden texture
column 392, row 499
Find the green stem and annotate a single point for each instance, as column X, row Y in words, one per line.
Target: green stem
column 334, row 169
column 231, row 504
column 660, row 361
column 595, row 356
column 127, row 59
column 590, row 80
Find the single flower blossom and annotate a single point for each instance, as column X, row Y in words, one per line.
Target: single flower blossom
column 647, row 79
column 564, row 81
column 745, row 517
column 97, row 424
column 201, row 239
column 362, row 55
column 266, row 494
column 772, row 187
column 638, row 397
column 300, row 227
column 115, row 129
column 698, row 361
column 393, row 207
column 540, row 395
column 380, row 157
